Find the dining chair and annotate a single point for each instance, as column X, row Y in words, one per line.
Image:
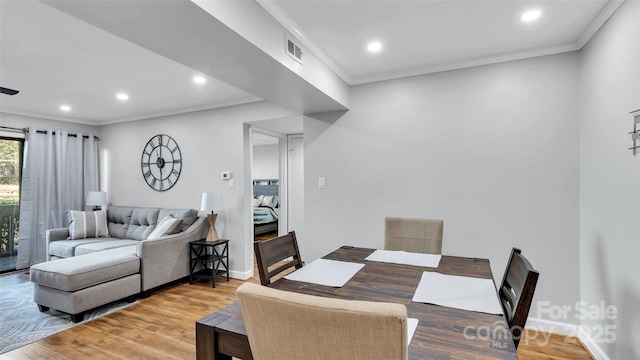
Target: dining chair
column 413, row 235
column 516, row 292
column 274, row 252
column 294, row 326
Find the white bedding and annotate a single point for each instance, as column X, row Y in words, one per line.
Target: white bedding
column 264, row 215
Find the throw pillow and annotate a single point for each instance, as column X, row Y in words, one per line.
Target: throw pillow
column 167, row 226
column 87, row 224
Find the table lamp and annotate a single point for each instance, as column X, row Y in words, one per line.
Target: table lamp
column 212, row 201
column 97, row 199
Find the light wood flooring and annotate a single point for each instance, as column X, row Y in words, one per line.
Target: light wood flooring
column 162, row 326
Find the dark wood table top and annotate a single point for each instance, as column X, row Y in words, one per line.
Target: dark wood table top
column 442, row 333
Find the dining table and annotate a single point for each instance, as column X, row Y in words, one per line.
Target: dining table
column 442, row 332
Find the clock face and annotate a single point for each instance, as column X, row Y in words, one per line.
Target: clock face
column 161, row 162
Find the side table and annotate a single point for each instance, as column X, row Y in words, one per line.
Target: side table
column 215, row 262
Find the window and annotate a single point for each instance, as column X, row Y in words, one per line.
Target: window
column 10, row 175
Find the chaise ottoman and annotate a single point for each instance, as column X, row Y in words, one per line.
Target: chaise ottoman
column 77, row 284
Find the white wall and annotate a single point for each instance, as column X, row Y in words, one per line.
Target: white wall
column 492, row 150
column 610, row 181
column 211, row 142
column 266, row 162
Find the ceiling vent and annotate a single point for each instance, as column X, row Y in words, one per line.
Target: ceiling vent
column 292, row 49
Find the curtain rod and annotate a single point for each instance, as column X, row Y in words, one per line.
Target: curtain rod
column 26, row 130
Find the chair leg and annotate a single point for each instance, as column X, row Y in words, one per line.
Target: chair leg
column 43, row 308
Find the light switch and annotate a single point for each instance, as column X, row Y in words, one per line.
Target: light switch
column 322, row 182
column 232, row 184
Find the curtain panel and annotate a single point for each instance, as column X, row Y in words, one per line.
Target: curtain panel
column 58, row 172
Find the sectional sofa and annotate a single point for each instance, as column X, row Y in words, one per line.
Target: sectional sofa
column 107, row 256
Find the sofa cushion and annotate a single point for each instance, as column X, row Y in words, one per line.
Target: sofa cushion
column 143, row 222
column 188, row 216
column 67, row 248
column 119, row 218
column 87, row 224
column 77, row 273
column 167, row 226
column 103, row 245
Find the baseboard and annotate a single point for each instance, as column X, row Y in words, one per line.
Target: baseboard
column 576, row 331
column 594, row 348
column 241, row 275
column 555, row 327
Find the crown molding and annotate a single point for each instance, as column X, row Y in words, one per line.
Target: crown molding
column 47, row 116
column 598, row 21
column 158, row 114
column 216, row 105
column 277, row 13
column 488, row 60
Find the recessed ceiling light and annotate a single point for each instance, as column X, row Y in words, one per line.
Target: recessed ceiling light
column 199, row 79
column 374, row 46
column 530, row 15
column 65, row 107
column 122, row 96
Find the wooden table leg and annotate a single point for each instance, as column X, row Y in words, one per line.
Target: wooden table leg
column 206, row 341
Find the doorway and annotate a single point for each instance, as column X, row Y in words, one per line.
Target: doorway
column 266, row 186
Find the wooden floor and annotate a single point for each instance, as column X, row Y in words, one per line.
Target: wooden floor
column 162, row 326
column 266, row 236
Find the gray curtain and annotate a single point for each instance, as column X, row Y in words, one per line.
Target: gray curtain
column 58, row 172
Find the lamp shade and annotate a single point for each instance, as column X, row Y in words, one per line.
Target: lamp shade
column 211, row 201
column 97, row 198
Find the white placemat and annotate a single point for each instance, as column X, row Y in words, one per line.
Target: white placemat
column 326, row 272
column 459, row 292
column 405, row 258
column 412, row 324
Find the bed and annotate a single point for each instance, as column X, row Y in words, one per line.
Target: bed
column 265, row 207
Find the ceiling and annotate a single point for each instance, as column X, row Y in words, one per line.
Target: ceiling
column 54, row 58
column 423, row 36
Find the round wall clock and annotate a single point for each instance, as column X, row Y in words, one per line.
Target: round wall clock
column 161, row 162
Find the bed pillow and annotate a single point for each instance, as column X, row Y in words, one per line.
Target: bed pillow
column 256, row 202
column 87, row 224
column 267, row 201
column 167, row 226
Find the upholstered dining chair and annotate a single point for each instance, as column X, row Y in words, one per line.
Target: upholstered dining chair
column 516, row 292
column 413, row 235
column 273, row 252
column 293, row 326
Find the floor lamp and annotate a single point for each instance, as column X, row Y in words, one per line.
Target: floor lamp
column 212, row 201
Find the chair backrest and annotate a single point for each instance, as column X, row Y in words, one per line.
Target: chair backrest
column 516, row 292
column 270, row 252
column 287, row 325
column 414, row 235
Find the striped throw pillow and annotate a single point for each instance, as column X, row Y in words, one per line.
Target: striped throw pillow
column 167, row 226
column 87, row 224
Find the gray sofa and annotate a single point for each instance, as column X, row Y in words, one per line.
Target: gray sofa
column 89, row 272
